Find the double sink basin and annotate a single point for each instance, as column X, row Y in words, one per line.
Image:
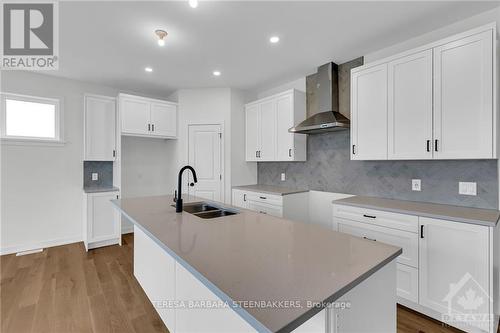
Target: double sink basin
column 207, row 210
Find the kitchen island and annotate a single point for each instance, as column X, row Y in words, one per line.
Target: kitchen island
column 252, row 272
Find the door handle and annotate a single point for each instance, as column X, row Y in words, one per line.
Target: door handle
column 436, row 145
column 256, row 153
column 114, row 153
column 262, row 212
column 371, row 239
column 353, row 149
column 263, row 198
column 370, row 216
column 244, row 197
column 149, row 127
column 428, row 145
column 290, row 152
column 422, row 231
column 153, row 127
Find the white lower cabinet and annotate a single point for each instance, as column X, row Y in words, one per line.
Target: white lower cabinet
column 454, row 267
column 446, row 268
column 101, row 222
column 291, row 206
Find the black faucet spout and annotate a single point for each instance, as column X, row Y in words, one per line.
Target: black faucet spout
column 178, row 202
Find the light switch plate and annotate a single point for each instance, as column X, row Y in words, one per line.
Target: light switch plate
column 467, row 188
column 95, row 176
column 283, row 177
column 416, row 185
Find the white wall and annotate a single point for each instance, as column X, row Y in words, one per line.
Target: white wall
column 299, row 84
column 41, row 186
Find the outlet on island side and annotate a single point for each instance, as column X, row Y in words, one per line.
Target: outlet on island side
column 416, row 185
column 95, row 176
column 467, row 188
column 283, row 177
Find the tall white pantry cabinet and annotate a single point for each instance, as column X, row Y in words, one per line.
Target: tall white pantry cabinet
column 438, row 101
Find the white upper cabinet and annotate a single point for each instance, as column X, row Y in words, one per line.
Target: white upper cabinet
column 369, row 114
column 267, row 124
column 439, row 99
column 463, row 98
column 100, row 128
column 147, row 117
column 410, row 107
column 164, row 119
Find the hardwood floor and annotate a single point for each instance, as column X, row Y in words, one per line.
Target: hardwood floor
column 65, row 289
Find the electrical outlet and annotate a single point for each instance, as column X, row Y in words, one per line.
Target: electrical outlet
column 467, row 188
column 95, row 176
column 416, row 185
column 283, row 177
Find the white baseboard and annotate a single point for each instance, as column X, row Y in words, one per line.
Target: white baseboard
column 39, row 245
column 127, row 229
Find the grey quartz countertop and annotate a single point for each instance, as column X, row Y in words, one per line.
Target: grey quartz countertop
column 270, row 189
column 257, row 257
column 97, row 189
column 486, row 217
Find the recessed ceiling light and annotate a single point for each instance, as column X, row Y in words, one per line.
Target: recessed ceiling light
column 274, row 39
column 148, row 69
column 216, row 73
column 193, row 3
column 161, row 34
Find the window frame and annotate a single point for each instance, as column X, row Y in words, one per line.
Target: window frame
column 14, row 139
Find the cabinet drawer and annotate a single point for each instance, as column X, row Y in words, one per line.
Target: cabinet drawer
column 407, row 282
column 265, row 208
column 271, row 199
column 406, row 240
column 377, row 217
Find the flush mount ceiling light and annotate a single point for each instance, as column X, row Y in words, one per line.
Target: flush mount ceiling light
column 193, row 3
column 274, row 39
column 216, row 73
column 148, row 69
column 161, row 34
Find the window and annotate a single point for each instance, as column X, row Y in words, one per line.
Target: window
column 28, row 118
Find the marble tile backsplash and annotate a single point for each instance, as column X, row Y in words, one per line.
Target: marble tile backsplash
column 104, row 169
column 329, row 168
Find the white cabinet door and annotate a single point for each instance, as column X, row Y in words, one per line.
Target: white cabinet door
column 135, row 116
column 454, row 267
column 285, row 118
column 252, row 132
column 369, row 113
column 407, row 282
column 100, row 128
column 410, row 107
column 265, row 208
column 158, row 280
column 163, row 119
column 267, row 151
column 203, row 319
column 463, row 102
column 240, row 199
column 102, row 223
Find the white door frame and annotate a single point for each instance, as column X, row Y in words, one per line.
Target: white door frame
column 222, row 156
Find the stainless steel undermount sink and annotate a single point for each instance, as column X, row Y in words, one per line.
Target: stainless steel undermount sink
column 206, row 210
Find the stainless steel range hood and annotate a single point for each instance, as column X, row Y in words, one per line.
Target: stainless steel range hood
column 322, row 88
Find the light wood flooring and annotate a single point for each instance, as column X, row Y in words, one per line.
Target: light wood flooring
column 65, row 289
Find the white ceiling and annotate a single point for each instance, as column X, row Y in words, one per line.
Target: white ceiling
column 110, row 43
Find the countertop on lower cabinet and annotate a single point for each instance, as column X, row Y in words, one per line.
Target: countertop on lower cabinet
column 269, row 189
column 486, row 217
column 252, row 256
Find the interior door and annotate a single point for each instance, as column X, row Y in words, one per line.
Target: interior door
column 100, row 128
column 410, row 107
column 135, row 115
column 163, row 119
column 463, row 101
column 284, row 114
column 252, row 132
column 369, row 114
column 453, row 260
column 267, row 151
column 205, row 145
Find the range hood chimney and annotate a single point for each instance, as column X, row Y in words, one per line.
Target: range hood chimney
column 322, row 91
